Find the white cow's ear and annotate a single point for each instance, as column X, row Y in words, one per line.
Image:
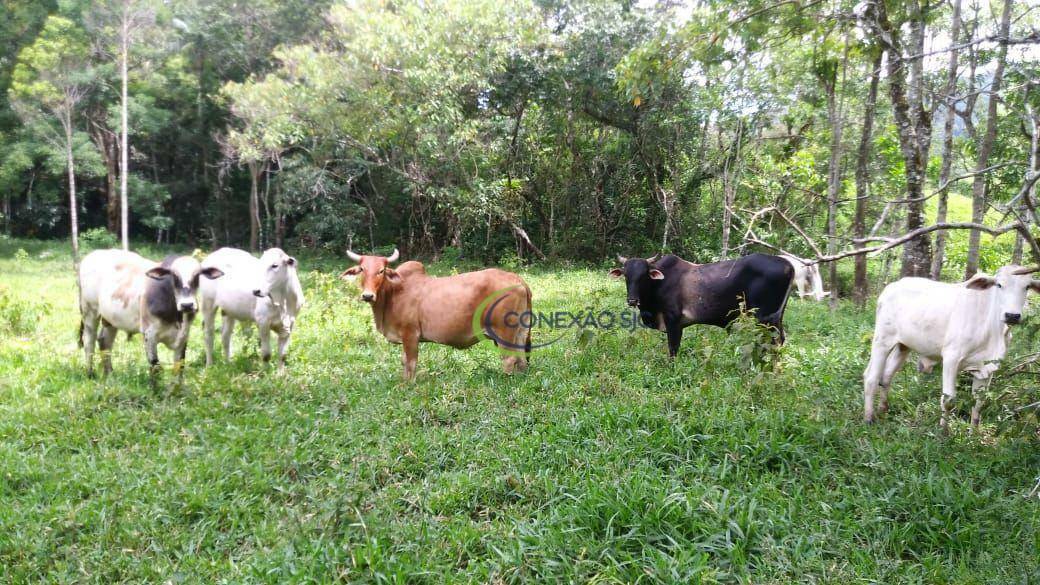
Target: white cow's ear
column 211, row 272
column 158, row 273
column 981, row 282
column 291, row 261
column 656, row 274
column 616, row 273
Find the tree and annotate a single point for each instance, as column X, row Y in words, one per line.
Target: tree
column 51, row 77
column 978, row 185
column 913, row 119
column 863, row 155
column 948, row 101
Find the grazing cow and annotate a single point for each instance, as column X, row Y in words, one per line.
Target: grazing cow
column 672, row 294
column 410, row 306
column 963, row 325
column 121, row 291
column 807, row 278
column 265, row 291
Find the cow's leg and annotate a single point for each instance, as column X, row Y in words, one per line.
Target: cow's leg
column 284, row 336
column 226, row 329
column 151, row 351
column 951, row 366
column 263, row 330
column 180, row 345
column 879, row 352
column 209, row 315
column 673, row 327
column 409, row 353
column 105, row 341
column 895, row 361
column 978, row 390
column 88, row 337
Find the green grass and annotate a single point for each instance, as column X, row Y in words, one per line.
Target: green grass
column 603, row 463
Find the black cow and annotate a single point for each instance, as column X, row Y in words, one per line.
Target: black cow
column 672, row 293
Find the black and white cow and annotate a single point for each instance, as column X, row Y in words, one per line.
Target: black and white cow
column 122, row 291
column 672, row 294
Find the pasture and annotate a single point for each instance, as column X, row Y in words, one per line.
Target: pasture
column 605, row 462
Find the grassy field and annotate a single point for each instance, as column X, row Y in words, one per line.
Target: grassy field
column 603, row 463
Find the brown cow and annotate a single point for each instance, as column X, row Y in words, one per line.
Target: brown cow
column 410, row 306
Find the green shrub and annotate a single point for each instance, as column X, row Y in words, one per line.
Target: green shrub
column 18, row 316
column 98, row 238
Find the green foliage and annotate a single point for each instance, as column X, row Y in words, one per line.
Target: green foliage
column 19, row 316
column 98, row 239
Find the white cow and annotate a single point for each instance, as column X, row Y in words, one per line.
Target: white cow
column 806, row 278
column 265, row 291
column 963, row 325
column 121, row 291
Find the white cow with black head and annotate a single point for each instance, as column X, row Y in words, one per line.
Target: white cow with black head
column 122, row 291
column 265, row 291
column 965, row 326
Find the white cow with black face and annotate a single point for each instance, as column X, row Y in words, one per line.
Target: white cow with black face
column 121, row 291
column 965, row 326
column 806, row 278
column 265, row 291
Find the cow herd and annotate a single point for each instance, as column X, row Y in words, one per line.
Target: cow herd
column 966, row 326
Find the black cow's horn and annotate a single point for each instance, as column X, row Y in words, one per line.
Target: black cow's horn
column 393, row 257
column 621, row 259
column 353, row 256
column 653, row 258
column 1022, row 271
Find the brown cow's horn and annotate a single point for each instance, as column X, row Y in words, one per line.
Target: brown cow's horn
column 621, row 259
column 353, row 256
column 1022, row 271
column 653, row 258
column 393, row 257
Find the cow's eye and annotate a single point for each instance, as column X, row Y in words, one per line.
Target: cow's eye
column 382, row 270
column 274, row 267
column 1000, row 285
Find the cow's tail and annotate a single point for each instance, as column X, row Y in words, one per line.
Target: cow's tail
column 527, row 342
column 79, row 338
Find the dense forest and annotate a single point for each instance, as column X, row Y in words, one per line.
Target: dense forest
column 530, row 129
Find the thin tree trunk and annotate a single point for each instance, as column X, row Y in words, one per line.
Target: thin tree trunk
column 978, row 185
column 835, row 116
column 73, row 207
column 124, row 149
column 947, row 146
column 254, row 206
column 859, row 225
column 729, row 189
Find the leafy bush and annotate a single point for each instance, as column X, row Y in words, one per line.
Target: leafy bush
column 18, row 316
column 98, row 238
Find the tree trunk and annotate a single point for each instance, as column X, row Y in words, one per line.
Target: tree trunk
column 859, row 226
column 124, row 149
column 835, row 117
column 73, row 206
column 729, row 189
column 913, row 124
column 978, row 184
column 947, row 146
column 254, row 206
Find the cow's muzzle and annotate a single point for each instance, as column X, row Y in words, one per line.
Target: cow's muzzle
column 188, row 308
column 633, row 302
column 258, row 293
column 368, row 297
column 1012, row 318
